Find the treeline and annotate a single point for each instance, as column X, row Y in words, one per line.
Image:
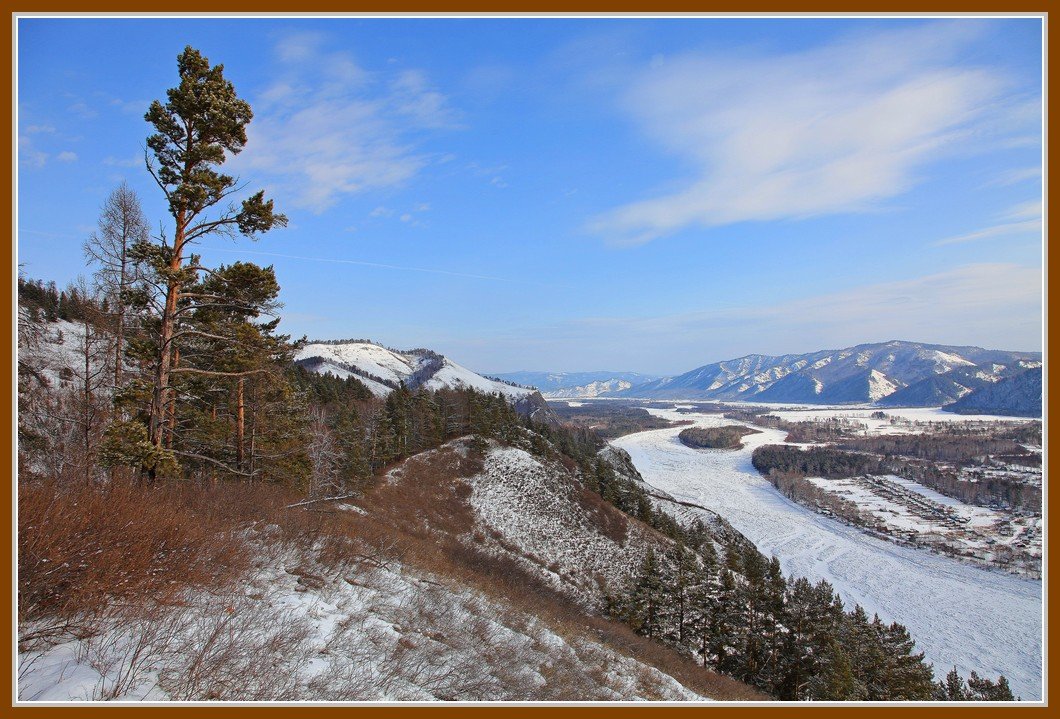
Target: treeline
column 790, row 638
column 812, row 462
column 47, row 303
column 738, row 614
column 353, row 435
column 938, row 448
column 728, row 437
column 610, row 421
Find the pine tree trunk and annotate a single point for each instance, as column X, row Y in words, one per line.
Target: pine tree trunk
column 171, row 408
column 239, row 424
column 161, row 394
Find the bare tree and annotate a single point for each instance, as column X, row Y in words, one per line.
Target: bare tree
column 121, row 225
column 91, row 379
column 324, row 455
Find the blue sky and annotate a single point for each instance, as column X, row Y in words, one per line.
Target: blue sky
column 576, row 194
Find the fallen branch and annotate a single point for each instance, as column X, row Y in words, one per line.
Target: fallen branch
column 322, row 499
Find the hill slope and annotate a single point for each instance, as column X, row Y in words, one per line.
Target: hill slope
column 1019, row 395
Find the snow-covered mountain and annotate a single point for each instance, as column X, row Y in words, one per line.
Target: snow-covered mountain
column 895, row 373
column 549, row 382
column 588, row 391
column 381, row 369
column 1019, row 395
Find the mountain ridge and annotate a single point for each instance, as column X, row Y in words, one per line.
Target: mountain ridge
column 909, row 373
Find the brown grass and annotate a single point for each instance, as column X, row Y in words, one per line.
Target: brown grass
column 85, row 550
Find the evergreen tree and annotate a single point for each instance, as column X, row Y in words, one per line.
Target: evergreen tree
column 982, row 689
column 645, row 604
column 952, row 688
column 201, row 121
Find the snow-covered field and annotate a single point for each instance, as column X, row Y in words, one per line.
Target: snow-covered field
column 960, row 615
column 908, row 417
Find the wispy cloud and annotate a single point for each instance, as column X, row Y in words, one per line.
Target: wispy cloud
column 28, row 154
column 993, row 305
column 136, row 160
column 362, row 263
column 1023, row 218
column 83, row 110
column 66, row 156
column 1012, row 177
column 327, row 128
column 833, row 129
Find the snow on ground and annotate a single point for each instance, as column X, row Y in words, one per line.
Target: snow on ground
column 59, row 349
column 453, row 376
column 399, row 367
column 299, row 632
column 370, row 358
column 911, row 415
column 908, row 511
column 377, row 389
column 534, row 510
column 959, row 614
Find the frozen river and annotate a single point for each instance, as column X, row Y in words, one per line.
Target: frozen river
column 959, row 615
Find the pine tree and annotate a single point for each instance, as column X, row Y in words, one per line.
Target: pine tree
column 908, row 677
column 835, row 680
column 201, row 121
column 982, row 689
column 952, row 688
column 645, row 603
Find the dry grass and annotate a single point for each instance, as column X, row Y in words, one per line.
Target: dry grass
column 82, row 549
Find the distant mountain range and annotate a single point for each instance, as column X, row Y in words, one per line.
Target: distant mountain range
column 549, row 382
column 591, row 390
column 890, row 374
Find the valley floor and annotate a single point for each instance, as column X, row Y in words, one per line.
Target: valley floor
column 960, row 615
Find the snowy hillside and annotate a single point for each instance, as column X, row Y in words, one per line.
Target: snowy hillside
column 909, row 372
column 1019, row 395
column 301, row 631
column 549, row 382
column 382, row 369
column 589, row 391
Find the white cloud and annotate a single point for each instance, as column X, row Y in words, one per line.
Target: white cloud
column 35, row 129
column 137, row 160
column 1026, row 217
column 326, row 128
column 30, row 155
column 1011, row 177
column 1030, row 210
column 132, row 107
column 82, row 110
column 834, row 129
column 66, row 156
